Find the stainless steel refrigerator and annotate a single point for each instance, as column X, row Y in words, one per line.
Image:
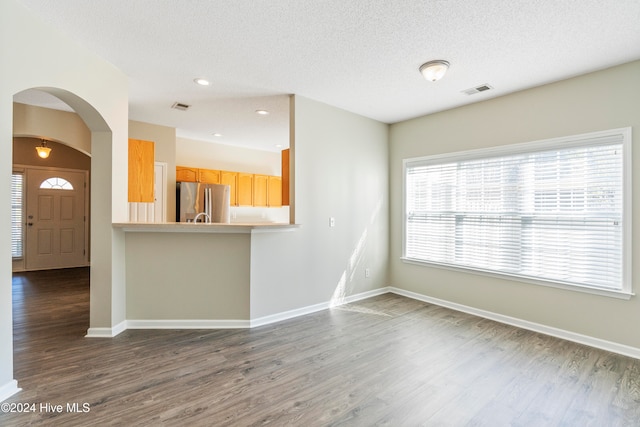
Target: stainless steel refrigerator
column 193, row 198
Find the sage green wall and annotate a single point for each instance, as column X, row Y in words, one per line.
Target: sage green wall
column 602, row 100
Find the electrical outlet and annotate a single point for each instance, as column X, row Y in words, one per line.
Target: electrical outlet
column 332, row 222
column 367, row 273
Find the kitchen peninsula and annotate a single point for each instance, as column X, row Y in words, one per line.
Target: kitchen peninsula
column 186, row 275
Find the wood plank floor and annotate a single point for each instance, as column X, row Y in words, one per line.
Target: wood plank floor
column 385, row 361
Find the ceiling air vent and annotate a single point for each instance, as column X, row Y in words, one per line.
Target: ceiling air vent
column 477, row 89
column 180, row 106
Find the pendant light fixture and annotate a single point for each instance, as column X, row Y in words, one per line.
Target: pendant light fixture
column 43, row 150
column 434, row 70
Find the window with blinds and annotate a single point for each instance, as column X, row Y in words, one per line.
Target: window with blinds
column 554, row 211
column 17, row 220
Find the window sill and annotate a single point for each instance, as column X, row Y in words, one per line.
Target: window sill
column 541, row 282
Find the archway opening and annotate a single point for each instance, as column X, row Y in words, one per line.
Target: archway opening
column 69, row 124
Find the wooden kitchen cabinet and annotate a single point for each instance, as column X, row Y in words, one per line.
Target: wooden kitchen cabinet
column 286, row 172
column 260, row 186
column 230, row 179
column 141, row 171
column 245, row 189
column 186, row 174
column 274, row 192
column 209, row 176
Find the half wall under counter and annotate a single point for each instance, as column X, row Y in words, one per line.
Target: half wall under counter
column 184, row 275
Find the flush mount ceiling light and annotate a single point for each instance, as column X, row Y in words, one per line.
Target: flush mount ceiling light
column 43, row 150
column 262, row 112
column 202, row 81
column 434, row 70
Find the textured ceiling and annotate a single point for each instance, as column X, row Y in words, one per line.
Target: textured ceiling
column 359, row 55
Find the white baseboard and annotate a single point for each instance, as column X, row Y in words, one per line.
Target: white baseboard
column 187, row 324
column 9, row 389
column 279, row 317
column 106, row 332
column 285, row 315
column 524, row 324
column 360, row 296
column 290, row 314
column 226, row 324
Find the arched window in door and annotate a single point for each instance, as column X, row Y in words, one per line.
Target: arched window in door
column 56, row 183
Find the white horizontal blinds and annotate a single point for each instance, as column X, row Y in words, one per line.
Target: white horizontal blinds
column 17, row 220
column 554, row 214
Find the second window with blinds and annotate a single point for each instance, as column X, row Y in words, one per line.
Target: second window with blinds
column 553, row 212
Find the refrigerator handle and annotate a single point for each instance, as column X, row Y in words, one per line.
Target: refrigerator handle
column 207, row 202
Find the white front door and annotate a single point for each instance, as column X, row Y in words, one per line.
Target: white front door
column 55, row 219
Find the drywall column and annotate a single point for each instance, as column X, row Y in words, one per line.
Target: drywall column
column 97, row 91
column 341, row 172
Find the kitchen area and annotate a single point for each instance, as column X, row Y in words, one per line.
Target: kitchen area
column 191, row 265
column 252, row 158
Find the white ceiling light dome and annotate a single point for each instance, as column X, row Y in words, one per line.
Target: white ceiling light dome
column 434, row 70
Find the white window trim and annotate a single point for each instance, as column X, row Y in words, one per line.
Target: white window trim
column 576, row 140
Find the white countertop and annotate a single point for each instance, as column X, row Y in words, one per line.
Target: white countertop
column 201, row 227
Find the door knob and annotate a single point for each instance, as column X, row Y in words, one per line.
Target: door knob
column 29, row 224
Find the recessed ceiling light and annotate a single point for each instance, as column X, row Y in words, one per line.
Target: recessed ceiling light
column 217, row 135
column 262, row 112
column 278, row 145
column 202, row 81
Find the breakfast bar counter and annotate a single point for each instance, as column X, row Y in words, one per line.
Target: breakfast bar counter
column 202, row 275
column 201, row 227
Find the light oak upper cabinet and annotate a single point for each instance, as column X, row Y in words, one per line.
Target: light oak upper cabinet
column 141, row 171
column 230, row 179
column 209, row 176
column 285, row 177
column 186, row 174
column 274, row 192
column 260, row 185
column 245, row 189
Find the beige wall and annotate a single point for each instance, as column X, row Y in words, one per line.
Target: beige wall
column 165, row 151
column 187, row 276
column 603, row 100
column 61, row 156
column 208, row 155
column 54, row 125
column 343, row 175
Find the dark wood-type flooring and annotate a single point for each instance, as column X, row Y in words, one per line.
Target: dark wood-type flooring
column 387, row 361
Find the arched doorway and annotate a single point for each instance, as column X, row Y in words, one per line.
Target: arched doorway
column 86, row 131
column 45, row 59
column 95, row 139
